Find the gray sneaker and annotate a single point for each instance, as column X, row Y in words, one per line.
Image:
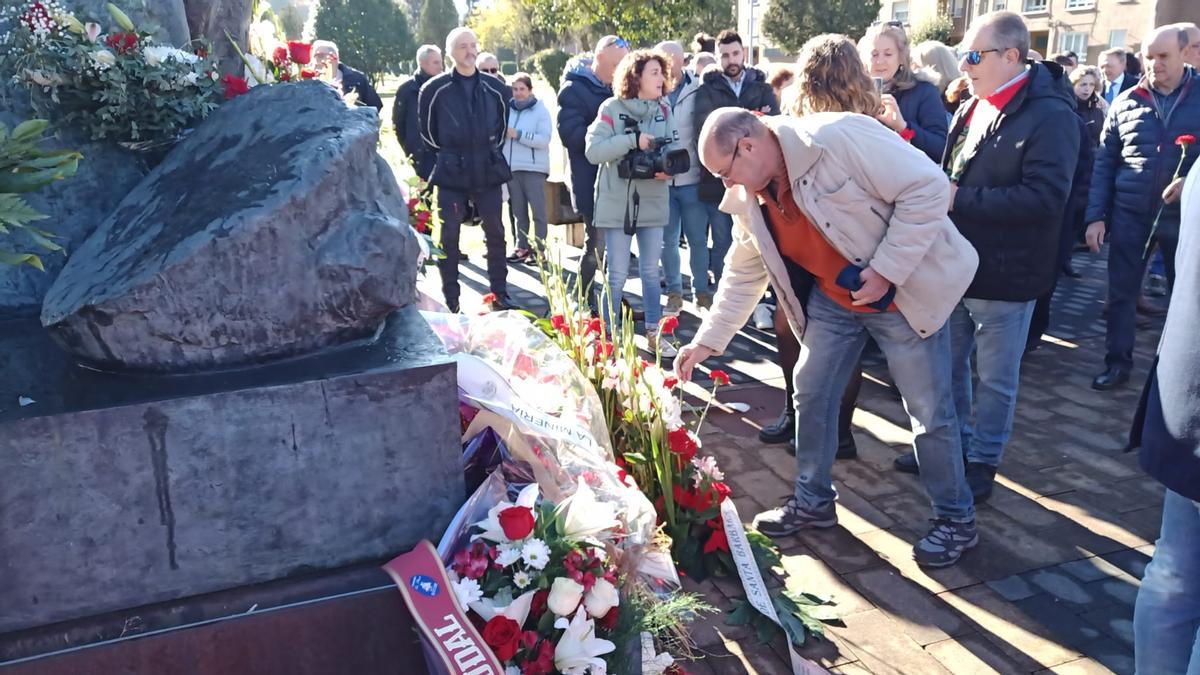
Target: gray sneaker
column 945, row 543
column 791, row 518
column 674, row 304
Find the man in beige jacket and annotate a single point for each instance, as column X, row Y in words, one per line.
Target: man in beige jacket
column 822, row 205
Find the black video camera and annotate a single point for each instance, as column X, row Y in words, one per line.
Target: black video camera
column 645, row 164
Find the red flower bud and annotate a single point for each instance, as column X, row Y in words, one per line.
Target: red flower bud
column 1185, row 140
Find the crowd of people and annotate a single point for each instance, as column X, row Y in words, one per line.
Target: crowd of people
column 921, row 199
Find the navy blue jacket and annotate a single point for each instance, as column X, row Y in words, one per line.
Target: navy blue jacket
column 355, row 81
column 579, row 100
column 1016, row 184
column 925, row 114
column 408, row 126
column 1167, row 424
column 1136, row 159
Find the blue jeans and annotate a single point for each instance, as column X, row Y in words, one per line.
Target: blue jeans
column 722, row 237
column 996, row 331
column 1166, row 617
column 650, row 244
column 833, row 342
column 689, row 216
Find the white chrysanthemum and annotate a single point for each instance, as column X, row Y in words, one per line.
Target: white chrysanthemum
column 536, row 554
column 521, row 580
column 508, row 554
column 467, row 591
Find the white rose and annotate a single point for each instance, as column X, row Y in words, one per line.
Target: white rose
column 155, row 55
column 602, row 598
column 564, row 596
column 104, row 58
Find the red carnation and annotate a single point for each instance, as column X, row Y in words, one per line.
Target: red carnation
column 234, row 86
column 668, row 325
column 280, row 56
column 539, row 662
column 412, row 203
column 122, row 43
column 537, row 607
column 719, row 377
column 682, row 443
column 722, row 490
column 503, row 635
column 489, row 298
column 670, row 381
column 1185, row 140
column 517, row 522
column 301, row 52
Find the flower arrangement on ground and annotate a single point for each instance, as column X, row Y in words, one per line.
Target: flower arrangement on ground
column 120, row 85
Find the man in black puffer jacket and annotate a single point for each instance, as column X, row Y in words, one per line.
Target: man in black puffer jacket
column 1011, row 156
column 464, row 119
column 586, row 84
column 733, row 86
column 404, row 112
column 1135, row 162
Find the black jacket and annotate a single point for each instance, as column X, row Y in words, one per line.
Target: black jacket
column 355, row 81
column 1137, row 158
column 465, row 133
column 1093, row 117
column 408, row 125
column 579, row 100
column 1015, row 186
column 715, row 92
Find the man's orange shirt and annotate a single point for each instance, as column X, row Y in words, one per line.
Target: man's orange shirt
column 800, row 241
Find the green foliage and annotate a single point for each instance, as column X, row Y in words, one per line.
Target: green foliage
column 789, row 23
column 438, row 18
column 508, row 68
column 549, row 63
column 937, row 28
column 642, row 23
column 293, row 22
column 25, row 167
column 371, row 35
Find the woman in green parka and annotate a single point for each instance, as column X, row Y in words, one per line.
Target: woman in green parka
column 633, row 208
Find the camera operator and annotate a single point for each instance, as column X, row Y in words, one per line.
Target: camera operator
column 627, row 142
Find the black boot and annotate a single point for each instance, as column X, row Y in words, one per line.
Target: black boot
column 783, row 430
column 907, row 463
column 1111, row 378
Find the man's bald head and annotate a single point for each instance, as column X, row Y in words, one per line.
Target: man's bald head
column 1192, row 52
column 738, row 148
column 675, row 51
column 1162, row 54
column 609, row 51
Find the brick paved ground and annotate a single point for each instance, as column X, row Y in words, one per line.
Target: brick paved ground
column 1065, row 536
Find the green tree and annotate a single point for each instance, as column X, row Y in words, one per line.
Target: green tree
column 789, row 23
column 936, row 28
column 438, row 18
column 642, row 23
column 292, row 20
column 372, row 35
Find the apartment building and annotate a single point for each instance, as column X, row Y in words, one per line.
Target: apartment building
column 1083, row 26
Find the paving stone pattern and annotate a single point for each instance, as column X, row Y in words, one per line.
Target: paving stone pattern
column 1064, row 539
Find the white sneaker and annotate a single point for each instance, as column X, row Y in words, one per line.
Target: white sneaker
column 662, row 343
column 763, row 317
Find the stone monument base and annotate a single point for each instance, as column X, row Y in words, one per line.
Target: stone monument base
column 126, row 490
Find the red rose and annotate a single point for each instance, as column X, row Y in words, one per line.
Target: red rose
column 285, row 76
column 280, row 56
column 503, row 635
column 537, row 606
column 301, row 52
column 308, row 74
column 234, row 86
column 517, row 522
column 682, row 443
column 716, row 541
column 668, row 325
column 1185, row 139
column 719, row 376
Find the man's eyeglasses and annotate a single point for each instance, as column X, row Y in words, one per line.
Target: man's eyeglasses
column 975, row 56
column 617, row 42
column 737, row 147
column 493, row 71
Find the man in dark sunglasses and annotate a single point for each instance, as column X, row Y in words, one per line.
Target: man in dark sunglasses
column 1011, row 159
column 488, row 63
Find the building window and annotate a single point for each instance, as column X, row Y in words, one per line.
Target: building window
column 1081, row 4
column 982, row 8
column 1073, row 42
column 900, row 11
column 956, row 8
column 1034, row 6
column 1116, row 38
column 1000, row 5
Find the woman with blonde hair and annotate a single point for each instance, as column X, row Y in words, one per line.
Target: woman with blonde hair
column 912, row 105
column 937, row 60
column 829, row 78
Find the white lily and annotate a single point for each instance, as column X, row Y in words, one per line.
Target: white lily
column 492, row 531
column 256, row 73
column 579, row 650
column 91, row 31
column 582, row 515
column 517, row 610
